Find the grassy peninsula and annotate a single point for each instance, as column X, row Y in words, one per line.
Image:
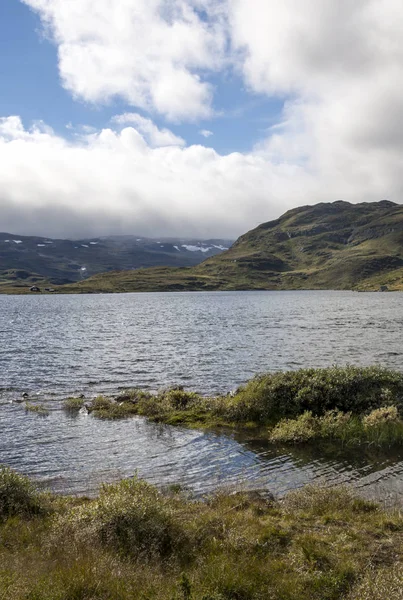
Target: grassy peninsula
column 335, row 245
column 136, row 542
column 351, row 405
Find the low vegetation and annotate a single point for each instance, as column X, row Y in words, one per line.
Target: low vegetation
column 19, row 497
column 73, row 405
column 382, row 427
column 39, row 409
column 348, row 404
column 134, row 541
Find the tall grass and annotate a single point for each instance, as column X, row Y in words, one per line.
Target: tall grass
column 136, row 542
column 19, row 496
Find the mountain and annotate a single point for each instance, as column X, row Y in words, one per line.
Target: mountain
column 325, row 246
column 30, row 259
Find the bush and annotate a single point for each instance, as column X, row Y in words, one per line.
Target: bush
column 101, row 403
column 121, row 408
column 304, row 428
column 131, row 517
column 178, row 399
column 269, row 398
column 19, row 496
column 333, row 425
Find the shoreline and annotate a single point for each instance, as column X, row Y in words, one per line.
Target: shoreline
column 59, row 291
column 348, row 405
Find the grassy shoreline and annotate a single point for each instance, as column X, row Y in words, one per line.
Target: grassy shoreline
column 136, row 542
column 353, row 405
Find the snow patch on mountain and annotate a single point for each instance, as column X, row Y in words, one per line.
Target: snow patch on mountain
column 196, row 248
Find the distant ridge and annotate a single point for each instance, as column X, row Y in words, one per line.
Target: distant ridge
column 334, row 245
column 29, row 259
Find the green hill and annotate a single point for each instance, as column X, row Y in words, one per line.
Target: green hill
column 326, row 246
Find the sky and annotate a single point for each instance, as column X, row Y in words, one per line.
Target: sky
column 194, row 117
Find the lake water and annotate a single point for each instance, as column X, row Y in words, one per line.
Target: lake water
column 56, row 346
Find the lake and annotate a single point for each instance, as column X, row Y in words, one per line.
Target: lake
column 55, row 346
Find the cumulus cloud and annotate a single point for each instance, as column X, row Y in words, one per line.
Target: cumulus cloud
column 151, row 53
column 115, row 182
column 155, row 136
column 337, row 65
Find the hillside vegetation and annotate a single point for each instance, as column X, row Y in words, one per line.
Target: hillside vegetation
column 325, row 246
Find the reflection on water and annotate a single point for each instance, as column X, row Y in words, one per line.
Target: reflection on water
column 212, row 342
column 76, row 454
column 379, row 474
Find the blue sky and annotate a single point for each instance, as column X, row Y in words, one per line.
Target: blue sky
column 31, row 88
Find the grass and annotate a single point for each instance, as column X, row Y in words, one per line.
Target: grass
column 19, row 497
column 350, row 404
column 39, row 409
column 134, row 541
column 73, row 405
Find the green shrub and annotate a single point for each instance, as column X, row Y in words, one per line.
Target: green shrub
column 334, row 423
column 19, row 497
column 101, row 403
column 178, row 399
column 304, row 428
column 106, row 408
column 269, row 398
column 116, row 411
column 130, row 517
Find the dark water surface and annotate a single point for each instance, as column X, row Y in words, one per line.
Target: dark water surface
column 56, row 346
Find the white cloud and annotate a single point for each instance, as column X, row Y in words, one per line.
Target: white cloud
column 340, row 63
column 154, row 136
column 337, row 64
column 115, row 182
column 206, row 133
column 151, row 53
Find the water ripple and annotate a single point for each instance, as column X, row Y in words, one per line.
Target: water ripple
column 57, row 346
